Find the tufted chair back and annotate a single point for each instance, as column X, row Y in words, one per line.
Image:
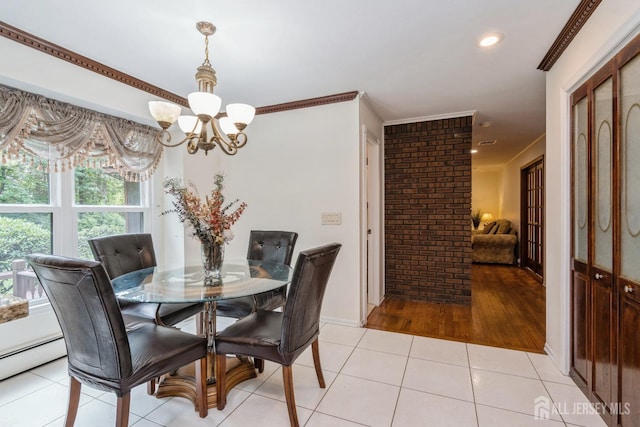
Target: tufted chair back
column 274, row 246
column 267, row 246
column 123, row 253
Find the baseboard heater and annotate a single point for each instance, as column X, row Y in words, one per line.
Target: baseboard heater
column 22, row 360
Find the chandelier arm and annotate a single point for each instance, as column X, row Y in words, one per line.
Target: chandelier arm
column 241, row 139
column 228, row 146
column 165, row 133
column 192, row 146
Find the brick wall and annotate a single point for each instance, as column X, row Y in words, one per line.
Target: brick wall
column 427, row 210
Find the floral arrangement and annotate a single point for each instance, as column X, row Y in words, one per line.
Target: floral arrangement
column 211, row 219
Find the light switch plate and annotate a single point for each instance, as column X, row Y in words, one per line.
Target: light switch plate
column 331, row 218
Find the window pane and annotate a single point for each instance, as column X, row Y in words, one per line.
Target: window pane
column 22, row 234
column 96, row 224
column 23, row 184
column 105, row 187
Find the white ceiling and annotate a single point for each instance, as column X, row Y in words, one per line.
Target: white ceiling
column 412, row 58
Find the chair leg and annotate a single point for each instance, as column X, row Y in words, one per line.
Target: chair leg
column 122, row 410
column 259, row 364
column 200, row 324
column 201, row 387
column 315, row 350
column 151, row 387
column 221, row 380
column 287, row 374
column 74, row 401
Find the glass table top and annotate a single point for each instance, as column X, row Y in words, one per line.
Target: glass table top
column 183, row 285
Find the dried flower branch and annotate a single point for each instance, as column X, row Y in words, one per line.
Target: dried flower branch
column 210, row 220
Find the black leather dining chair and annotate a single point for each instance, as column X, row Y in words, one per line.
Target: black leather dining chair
column 264, row 245
column 102, row 353
column 282, row 336
column 123, row 253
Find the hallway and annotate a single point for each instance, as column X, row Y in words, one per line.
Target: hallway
column 507, row 310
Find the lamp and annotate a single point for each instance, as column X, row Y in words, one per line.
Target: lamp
column 486, row 218
column 228, row 132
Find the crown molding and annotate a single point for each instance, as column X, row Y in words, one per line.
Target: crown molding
column 568, row 33
column 431, row 118
column 60, row 52
column 310, row 102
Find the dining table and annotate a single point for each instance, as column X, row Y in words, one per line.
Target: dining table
column 190, row 284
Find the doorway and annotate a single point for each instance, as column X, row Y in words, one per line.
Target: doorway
column 372, row 222
column 532, row 216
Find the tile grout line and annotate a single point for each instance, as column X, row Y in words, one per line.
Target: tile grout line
column 404, row 373
column 353, row 349
column 473, row 389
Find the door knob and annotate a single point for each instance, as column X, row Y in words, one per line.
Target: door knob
column 628, row 289
column 598, row 276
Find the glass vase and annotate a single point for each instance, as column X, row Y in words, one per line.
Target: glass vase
column 212, row 258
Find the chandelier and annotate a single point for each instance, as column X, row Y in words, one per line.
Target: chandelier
column 227, row 132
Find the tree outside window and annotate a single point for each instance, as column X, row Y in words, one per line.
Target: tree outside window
column 104, row 203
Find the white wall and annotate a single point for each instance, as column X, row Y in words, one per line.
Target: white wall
column 296, row 165
column 610, row 26
column 486, row 188
column 510, row 195
column 31, row 70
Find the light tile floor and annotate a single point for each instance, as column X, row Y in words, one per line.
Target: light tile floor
column 374, row 378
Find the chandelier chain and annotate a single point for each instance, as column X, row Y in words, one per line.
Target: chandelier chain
column 206, row 51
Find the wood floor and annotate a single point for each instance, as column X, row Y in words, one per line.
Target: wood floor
column 507, row 310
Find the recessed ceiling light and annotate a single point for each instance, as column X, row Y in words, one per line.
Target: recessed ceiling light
column 491, row 39
column 486, row 124
column 474, row 151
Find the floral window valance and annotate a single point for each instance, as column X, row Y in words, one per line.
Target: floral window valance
column 36, row 129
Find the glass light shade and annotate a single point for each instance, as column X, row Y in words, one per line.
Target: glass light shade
column 187, row 123
column 204, row 103
column 164, row 111
column 227, row 126
column 241, row 113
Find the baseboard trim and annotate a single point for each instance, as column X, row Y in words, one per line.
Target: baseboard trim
column 343, row 322
column 21, row 361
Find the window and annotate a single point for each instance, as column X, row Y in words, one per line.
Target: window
column 57, row 212
column 84, row 196
column 26, row 218
column 105, row 204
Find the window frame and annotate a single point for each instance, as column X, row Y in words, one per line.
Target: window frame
column 30, row 331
